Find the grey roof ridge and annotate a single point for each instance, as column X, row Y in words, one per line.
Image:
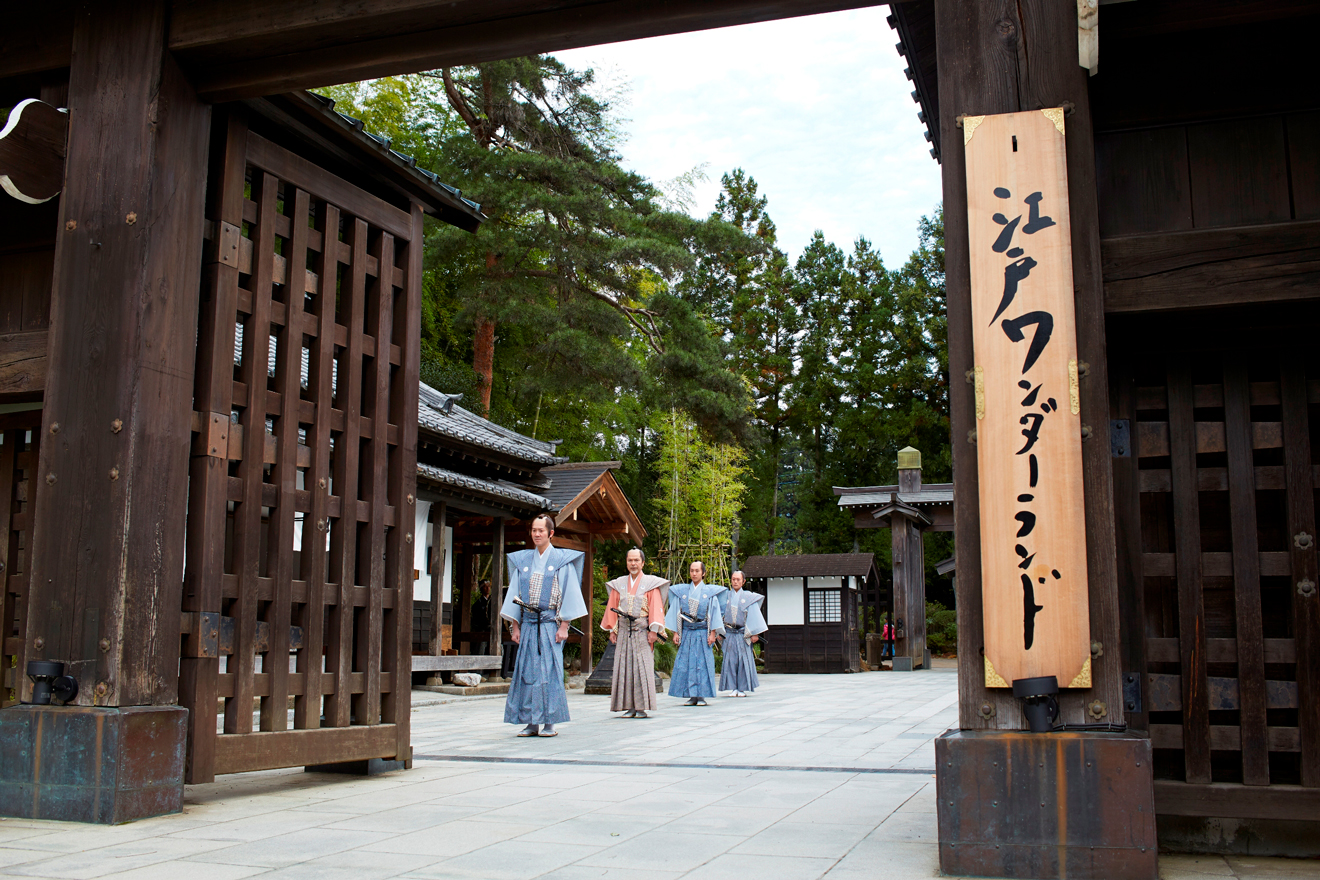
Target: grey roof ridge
column 490, row 487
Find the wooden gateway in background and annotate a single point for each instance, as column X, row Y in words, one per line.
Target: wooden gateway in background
column 1192, row 162
column 908, row 510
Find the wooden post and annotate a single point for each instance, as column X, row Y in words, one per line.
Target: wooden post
column 107, row 540
column 107, row 543
column 439, row 512
column 588, row 588
column 466, row 578
column 983, row 68
column 496, row 585
column 1005, row 56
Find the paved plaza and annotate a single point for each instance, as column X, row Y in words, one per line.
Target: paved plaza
column 813, row 776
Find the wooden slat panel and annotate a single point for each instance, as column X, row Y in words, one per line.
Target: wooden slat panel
column 1231, row 801
column 284, row 476
column 292, row 748
column 1271, row 564
column 1163, row 693
column 322, row 184
column 209, row 482
column 1187, row 541
column 1223, row 738
column 1216, row 479
column 1221, row 650
column 1301, row 520
column 1246, row 571
column 1153, row 437
column 247, row 523
column 343, row 532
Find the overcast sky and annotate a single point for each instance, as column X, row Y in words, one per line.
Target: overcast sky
column 816, row 109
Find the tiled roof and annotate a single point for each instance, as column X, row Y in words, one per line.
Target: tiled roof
column 810, row 565
column 440, row 414
column 568, row 480
column 488, row 488
column 875, row 499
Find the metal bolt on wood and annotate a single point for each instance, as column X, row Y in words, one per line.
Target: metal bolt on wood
column 130, row 218
column 50, row 479
column 114, row 474
column 104, row 645
column 1303, row 541
column 70, row 225
column 116, row 426
column 38, row 643
column 54, row 427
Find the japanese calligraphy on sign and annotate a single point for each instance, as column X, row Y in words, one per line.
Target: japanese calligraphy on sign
column 1028, row 423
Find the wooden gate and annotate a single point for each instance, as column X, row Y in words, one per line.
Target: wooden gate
column 19, row 437
column 1215, row 510
column 298, row 581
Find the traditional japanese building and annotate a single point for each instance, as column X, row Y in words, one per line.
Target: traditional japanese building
column 812, row 607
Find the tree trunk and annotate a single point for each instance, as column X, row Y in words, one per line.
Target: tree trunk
column 483, row 360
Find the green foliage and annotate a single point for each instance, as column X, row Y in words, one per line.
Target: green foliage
column 699, row 488
column 665, row 653
column 941, row 628
column 617, row 314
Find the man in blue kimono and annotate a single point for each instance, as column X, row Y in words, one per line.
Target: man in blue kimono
column 743, row 625
column 696, row 617
column 545, row 593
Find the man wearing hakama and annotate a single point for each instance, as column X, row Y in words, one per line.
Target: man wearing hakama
column 545, row 593
column 743, row 625
column 634, row 618
column 696, row 617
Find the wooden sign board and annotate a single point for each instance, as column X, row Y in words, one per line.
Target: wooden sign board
column 1028, row 423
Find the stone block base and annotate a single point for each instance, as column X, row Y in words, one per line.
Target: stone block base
column 91, row 763
column 902, row 664
column 369, row 767
column 1044, row 805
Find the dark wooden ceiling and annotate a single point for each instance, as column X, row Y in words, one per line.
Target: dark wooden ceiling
column 248, row 48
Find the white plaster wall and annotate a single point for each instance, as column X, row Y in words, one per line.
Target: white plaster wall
column 422, row 586
column 824, row 583
column 784, row 601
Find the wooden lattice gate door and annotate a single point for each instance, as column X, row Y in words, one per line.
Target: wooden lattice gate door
column 19, row 436
column 1215, row 493
column 298, row 583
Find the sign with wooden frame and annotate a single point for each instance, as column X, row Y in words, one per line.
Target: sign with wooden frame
column 1028, row 422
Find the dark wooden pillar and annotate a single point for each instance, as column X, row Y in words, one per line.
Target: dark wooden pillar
column 108, row 536
column 588, row 588
column 1004, row 56
column 983, row 68
column 438, row 516
column 496, row 584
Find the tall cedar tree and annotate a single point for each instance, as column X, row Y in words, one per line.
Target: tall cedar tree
column 577, row 254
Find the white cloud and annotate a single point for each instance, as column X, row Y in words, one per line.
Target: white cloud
column 817, row 109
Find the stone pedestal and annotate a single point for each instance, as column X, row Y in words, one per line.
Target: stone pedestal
column 91, row 763
column 1044, row 805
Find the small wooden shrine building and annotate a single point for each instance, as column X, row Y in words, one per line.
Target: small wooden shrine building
column 589, row 506
column 812, row 608
column 908, row 510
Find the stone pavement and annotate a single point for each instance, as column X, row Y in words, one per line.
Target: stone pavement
column 813, row 776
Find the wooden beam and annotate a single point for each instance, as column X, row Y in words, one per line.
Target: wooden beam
column 247, row 49
column 108, row 535
column 1232, row 801
column 291, row 748
column 23, row 362
column 495, row 625
column 1212, row 267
